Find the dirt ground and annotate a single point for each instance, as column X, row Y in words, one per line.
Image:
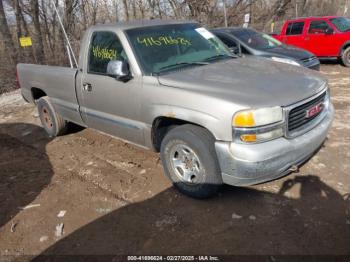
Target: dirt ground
column 118, row 201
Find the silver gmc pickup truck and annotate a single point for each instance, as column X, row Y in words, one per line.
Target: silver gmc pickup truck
column 175, row 88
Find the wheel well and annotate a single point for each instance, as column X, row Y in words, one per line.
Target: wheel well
column 161, row 126
column 37, row 93
column 345, row 47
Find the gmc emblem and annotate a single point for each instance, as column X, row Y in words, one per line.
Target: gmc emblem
column 315, row 110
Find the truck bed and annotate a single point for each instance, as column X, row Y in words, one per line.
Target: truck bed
column 58, row 83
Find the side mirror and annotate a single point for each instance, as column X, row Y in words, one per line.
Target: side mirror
column 236, row 50
column 119, row 70
column 329, row 31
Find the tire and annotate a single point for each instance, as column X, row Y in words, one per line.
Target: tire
column 51, row 121
column 190, row 161
column 345, row 57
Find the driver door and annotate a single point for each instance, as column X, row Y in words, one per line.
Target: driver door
column 109, row 105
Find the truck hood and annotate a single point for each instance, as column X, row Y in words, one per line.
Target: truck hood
column 251, row 81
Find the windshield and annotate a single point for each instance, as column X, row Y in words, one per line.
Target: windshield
column 341, row 23
column 169, row 47
column 256, row 40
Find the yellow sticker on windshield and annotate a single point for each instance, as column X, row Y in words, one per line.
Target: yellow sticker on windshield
column 163, row 40
column 104, row 53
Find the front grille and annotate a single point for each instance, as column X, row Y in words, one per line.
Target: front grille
column 297, row 117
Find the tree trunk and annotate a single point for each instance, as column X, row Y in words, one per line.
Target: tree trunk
column 126, row 9
column 152, row 5
column 45, row 22
column 159, row 10
column 84, row 14
column 28, row 52
column 69, row 16
column 38, row 38
column 54, row 35
column 134, row 9
column 6, row 35
column 174, row 8
column 116, row 8
column 19, row 27
column 24, row 23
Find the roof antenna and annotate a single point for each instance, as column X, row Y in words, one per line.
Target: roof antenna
column 69, row 47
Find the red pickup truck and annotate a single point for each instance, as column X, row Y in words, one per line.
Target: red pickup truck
column 326, row 37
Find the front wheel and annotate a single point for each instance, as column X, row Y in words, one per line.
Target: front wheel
column 189, row 160
column 346, row 57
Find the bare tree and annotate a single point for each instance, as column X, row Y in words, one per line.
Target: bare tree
column 6, row 35
column 38, row 38
column 19, row 26
column 126, row 10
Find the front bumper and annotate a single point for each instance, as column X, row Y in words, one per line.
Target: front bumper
column 313, row 64
column 244, row 164
column 316, row 66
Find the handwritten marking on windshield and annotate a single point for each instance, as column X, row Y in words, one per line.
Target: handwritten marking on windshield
column 163, row 40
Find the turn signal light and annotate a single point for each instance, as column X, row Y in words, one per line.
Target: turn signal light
column 249, row 138
column 263, row 137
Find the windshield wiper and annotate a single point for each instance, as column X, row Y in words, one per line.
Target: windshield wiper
column 220, row 56
column 168, row 67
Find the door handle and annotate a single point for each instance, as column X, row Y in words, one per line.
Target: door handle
column 307, row 38
column 87, row 87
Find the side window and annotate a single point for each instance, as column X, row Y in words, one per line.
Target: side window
column 295, row 28
column 104, row 47
column 318, row 27
column 230, row 43
column 289, row 28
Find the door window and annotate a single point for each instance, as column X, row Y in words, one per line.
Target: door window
column 295, row 28
column 230, row 43
column 104, row 47
column 318, row 27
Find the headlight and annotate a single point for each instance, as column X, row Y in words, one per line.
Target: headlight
column 258, row 125
column 285, row 60
column 258, row 117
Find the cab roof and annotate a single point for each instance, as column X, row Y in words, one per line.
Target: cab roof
column 312, row 17
column 232, row 28
column 138, row 24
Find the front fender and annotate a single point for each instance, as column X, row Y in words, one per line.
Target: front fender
column 214, row 124
column 186, row 105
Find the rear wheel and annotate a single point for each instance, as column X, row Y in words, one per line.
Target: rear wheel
column 51, row 121
column 346, row 57
column 189, row 159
